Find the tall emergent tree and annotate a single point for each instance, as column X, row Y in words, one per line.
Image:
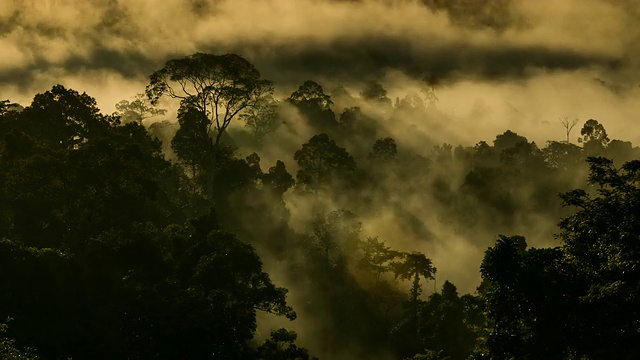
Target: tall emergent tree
column 594, row 137
column 568, row 126
column 219, row 86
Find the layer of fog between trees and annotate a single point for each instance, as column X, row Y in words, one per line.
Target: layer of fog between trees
column 582, row 68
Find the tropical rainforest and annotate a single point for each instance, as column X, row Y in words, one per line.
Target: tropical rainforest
column 215, row 213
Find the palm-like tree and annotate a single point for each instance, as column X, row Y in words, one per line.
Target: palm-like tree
column 414, row 266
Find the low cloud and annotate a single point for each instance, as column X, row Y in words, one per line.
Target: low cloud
column 290, row 41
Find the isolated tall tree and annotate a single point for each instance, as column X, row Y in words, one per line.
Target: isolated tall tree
column 219, row 86
column 568, row 126
column 413, row 266
column 594, row 131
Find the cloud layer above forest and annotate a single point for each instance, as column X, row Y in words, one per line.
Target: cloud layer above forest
column 109, row 41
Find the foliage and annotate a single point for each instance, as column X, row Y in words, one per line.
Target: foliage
column 600, row 242
column 108, row 250
column 594, row 131
column 278, row 178
column 80, row 205
column 384, row 149
column 281, row 346
column 376, row 257
column 526, row 297
column 8, row 349
column 137, row 110
column 314, row 105
column 191, row 143
column 311, row 95
column 413, row 266
column 219, row 87
column 374, row 91
column 322, row 162
column 263, row 118
column 578, row 300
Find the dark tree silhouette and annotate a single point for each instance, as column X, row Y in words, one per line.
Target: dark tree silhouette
column 384, row 149
column 191, row 142
column 281, row 346
column 600, row 240
column 374, row 92
column 137, row 110
column 322, row 162
column 219, row 86
column 594, row 136
column 315, row 105
column 568, row 126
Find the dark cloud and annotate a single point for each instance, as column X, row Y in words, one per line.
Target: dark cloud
column 363, row 59
column 348, row 42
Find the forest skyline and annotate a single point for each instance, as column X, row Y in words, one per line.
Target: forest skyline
column 516, row 65
column 384, row 179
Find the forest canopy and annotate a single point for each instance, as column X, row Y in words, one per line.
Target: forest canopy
column 237, row 206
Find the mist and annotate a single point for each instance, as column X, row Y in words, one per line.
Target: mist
column 477, row 69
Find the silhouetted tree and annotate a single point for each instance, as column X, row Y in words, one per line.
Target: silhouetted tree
column 191, row 143
column 384, row 149
column 219, row 86
column 445, row 325
column 281, row 346
column 6, row 106
column 376, row 93
column 414, row 266
column 322, row 162
column 315, row 105
column 65, row 118
column 278, row 178
column 310, row 94
column 377, row 257
column 529, row 297
column 600, row 240
column 594, row 137
column 568, row 126
column 563, row 156
column 137, row 110
column 9, row 350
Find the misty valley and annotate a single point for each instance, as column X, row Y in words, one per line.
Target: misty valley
column 125, row 238
column 319, row 179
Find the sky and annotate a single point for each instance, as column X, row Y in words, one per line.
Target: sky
column 510, row 63
column 499, row 64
